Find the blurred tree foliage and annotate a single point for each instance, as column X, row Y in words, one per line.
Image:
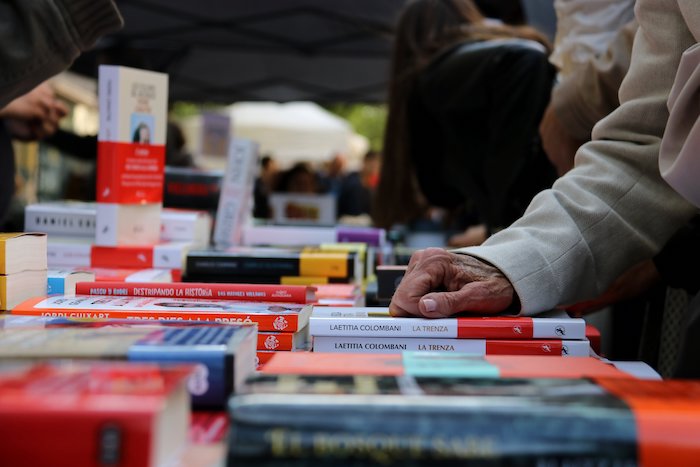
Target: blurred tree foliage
column 367, row 120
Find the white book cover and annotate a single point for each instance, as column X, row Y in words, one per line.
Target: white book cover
column 170, row 255
column 235, row 201
column 70, row 218
column 78, row 219
column 376, row 322
column 341, row 344
column 131, row 154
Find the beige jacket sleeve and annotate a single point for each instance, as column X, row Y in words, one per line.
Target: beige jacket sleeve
column 589, row 92
column 613, row 209
column 39, row 38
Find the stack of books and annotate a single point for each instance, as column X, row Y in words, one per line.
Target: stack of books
column 373, row 330
column 281, row 313
column 23, row 267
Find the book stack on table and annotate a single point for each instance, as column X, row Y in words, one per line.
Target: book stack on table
column 373, row 330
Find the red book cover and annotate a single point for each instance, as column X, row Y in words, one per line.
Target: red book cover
column 90, row 414
column 508, row 366
column 241, row 292
column 281, row 340
column 280, row 317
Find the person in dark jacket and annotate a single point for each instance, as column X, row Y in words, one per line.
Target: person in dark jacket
column 465, row 100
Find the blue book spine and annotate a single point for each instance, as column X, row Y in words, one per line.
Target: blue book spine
column 55, row 285
column 206, row 347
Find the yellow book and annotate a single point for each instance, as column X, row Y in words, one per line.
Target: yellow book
column 20, row 286
column 22, row 252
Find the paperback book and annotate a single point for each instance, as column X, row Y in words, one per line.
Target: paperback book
column 280, row 317
column 240, row 292
column 223, row 355
column 130, row 155
column 376, row 322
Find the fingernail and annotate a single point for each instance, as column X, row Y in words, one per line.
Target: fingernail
column 430, row 304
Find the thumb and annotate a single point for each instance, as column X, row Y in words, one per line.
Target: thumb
column 488, row 297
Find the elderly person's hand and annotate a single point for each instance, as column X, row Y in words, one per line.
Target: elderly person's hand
column 439, row 284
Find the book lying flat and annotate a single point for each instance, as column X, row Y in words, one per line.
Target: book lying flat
column 296, row 420
column 66, row 414
column 241, row 292
column 551, row 347
column 281, row 317
column 376, row 322
column 22, row 252
column 224, row 354
column 440, row 364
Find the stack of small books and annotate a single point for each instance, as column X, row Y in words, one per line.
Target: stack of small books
column 373, row 330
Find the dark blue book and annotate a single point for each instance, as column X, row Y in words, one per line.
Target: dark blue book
column 223, row 355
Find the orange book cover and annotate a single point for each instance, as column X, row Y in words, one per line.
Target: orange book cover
column 280, row 317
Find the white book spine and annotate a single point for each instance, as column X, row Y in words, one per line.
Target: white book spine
column 341, row 344
column 59, row 221
column 178, row 226
column 383, row 327
column 237, row 187
column 108, row 90
column 554, row 328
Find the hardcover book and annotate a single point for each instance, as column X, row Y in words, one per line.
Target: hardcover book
column 131, row 155
column 376, row 322
column 436, row 421
column 280, row 317
column 223, row 355
column 66, row 414
column 240, row 292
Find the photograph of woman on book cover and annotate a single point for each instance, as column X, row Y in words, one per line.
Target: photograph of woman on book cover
column 141, row 128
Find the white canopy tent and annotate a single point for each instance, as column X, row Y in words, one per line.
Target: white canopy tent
column 290, row 132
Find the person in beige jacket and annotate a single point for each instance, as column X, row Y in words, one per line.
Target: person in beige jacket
column 610, row 212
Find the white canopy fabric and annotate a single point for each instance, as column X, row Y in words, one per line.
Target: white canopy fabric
column 290, row 132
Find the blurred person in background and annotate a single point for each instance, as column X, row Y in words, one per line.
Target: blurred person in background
column 465, row 99
column 264, row 186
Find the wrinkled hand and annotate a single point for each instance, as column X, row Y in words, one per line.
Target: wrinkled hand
column 439, row 284
column 631, row 284
column 557, row 143
column 34, row 115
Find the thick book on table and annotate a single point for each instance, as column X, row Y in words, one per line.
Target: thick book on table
column 429, row 421
column 440, row 364
column 281, row 317
column 63, row 281
column 22, row 252
column 66, row 414
column 224, row 354
column 241, row 292
column 376, row 322
column 358, row 344
column 20, row 286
